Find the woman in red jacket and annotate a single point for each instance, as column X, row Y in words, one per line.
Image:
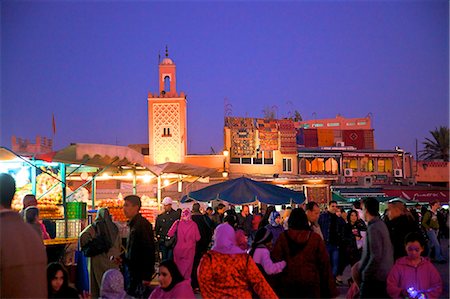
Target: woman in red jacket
column 226, row 271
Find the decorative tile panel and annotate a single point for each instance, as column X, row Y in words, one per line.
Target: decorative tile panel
column 166, row 148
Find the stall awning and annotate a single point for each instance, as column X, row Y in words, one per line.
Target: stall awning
column 182, row 168
column 360, row 192
column 7, row 154
column 424, row 195
column 99, row 155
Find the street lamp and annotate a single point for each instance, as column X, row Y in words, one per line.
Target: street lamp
column 225, row 155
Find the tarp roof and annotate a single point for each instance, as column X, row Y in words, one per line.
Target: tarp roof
column 99, row 155
column 182, row 168
column 245, row 190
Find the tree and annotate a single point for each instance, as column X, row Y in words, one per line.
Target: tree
column 269, row 112
column 297, row 116
column 436, row 149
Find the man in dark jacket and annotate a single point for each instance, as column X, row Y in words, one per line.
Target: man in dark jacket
column 377, row 257
column 164, row 222
column 140, row 254
column 218, row 215
column 399, row 225
column 332, row 228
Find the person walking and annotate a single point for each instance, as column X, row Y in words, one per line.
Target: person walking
column 308, row 271
column 244, row 222
column 140, row 252
column 332, row 228
column 219, row 214
column 275, row 226
column 23, row 259
column 164, row 222
column 400, row 223
column 204, row 225
column 312, row 213
column 100, row 241
column 226, row 271
column 431, row 226
column 187, row 235
column 378, row 256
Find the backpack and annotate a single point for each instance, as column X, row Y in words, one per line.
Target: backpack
column 98, row 245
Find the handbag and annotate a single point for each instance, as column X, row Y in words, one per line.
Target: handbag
column 82, row 273
column 170, row 242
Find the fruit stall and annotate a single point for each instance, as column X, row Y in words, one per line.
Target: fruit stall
column 64, row 209
column 65, row 183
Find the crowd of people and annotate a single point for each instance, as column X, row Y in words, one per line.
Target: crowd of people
column 299, row 252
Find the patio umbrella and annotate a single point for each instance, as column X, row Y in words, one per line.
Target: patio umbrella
column 244, row 190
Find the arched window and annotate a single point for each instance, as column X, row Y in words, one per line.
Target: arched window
column 166, row 83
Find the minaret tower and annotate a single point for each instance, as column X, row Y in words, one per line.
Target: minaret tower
column 167, row 127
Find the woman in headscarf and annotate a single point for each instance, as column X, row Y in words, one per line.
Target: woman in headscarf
column 308, row 271
column 101, row 243
column 226, row 271
column 187, row 234
column 275, row 226
column 171, row 283
column 112, row 286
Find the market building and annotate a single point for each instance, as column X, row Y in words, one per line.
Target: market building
column 316, row 156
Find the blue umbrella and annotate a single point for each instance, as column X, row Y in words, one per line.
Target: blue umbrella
column 244, row 190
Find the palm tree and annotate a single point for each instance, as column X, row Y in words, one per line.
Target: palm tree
column 436, row 149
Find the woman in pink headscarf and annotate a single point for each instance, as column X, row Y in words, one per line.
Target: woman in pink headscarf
column 187, row 236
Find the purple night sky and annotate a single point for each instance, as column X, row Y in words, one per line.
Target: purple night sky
column 92, row 63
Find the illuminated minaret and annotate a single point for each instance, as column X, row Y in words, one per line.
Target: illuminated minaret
column 167, row 127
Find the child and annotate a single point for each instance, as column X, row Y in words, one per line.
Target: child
column 414, row 276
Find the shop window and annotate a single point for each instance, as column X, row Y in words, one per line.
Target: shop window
column 384, row 165
column 259, row 158
column 268, row 157
column 367, row 165
column 287, row 165
column 361, row 123
column 235, row 160
column 246, row 161
column 350, row 163
column 333, row 124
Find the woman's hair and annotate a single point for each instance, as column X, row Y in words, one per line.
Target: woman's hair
column 349, row 214
column 230, row 218
column 415, row 236
column 262, row 236
column 52, row 269
column 298, row 220
column 30, row 214
column 174, row 272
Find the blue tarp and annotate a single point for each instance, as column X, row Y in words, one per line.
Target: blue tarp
column 244, row 190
